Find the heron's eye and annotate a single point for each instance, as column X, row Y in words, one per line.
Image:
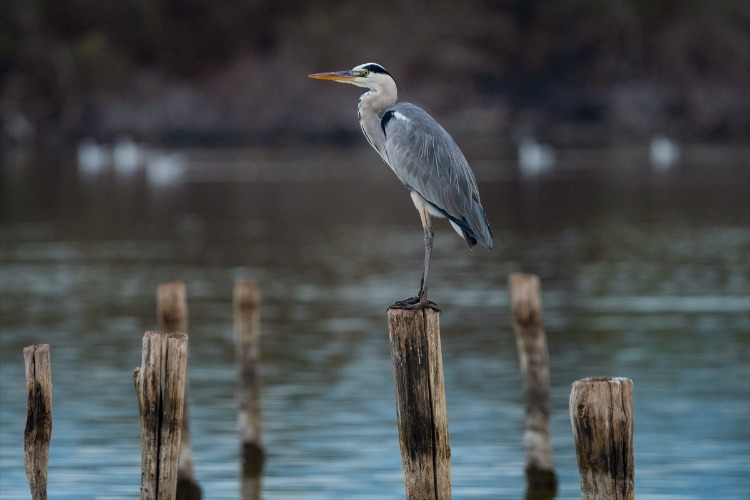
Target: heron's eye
column 365, row 72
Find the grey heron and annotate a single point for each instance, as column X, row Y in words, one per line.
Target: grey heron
column 424, row 157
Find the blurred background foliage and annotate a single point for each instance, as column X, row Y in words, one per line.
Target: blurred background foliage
column 205, row 71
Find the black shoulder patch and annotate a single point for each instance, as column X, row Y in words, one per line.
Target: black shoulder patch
column 387, row 116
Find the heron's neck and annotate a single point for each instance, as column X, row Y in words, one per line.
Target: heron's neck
column 372, row 104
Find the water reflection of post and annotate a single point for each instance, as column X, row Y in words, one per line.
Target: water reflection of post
column 172, row 315
column 420, row 402
column 247, row 338
column 526, row 305
column 38, row 430
column 601, row 413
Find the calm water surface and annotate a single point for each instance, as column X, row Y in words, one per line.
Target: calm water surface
column 645, row 275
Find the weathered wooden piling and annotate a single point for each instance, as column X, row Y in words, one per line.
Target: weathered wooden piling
column 147, row 380
column 247, row 338
column 38, row 430
column 172, row 315
column 420, row 402
column 161, row 405
column 601, row 413
column 531, row 341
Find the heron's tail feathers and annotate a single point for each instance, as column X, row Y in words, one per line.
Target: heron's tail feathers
column 473, row 230
column 482, row 236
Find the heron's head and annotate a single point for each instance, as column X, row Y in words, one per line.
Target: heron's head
column 368, row 75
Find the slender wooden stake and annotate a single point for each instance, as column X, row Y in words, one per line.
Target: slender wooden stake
column 420, row 402
column 161, row 407
column 171, row 307
column 247, row 337
column 526, row 305
column 38, row 431
column 147, row 381
column 172, row 314
column 173, row 406
column 601, row 412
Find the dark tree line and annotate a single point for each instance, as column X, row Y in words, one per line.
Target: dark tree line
column 565, row 57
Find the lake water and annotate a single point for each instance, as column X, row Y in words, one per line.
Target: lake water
column 645, row 275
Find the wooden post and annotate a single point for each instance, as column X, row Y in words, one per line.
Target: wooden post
column 526, row 306
column 161, row 404
column 147, row 380
column 601, row 412
column 172, row 315
column 173, row 410
column 247, row 337
column 38, row 431
column 420, row 402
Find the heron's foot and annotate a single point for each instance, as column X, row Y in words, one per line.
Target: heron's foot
column 414, row 303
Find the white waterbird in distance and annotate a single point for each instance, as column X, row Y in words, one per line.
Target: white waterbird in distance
column 424, row 157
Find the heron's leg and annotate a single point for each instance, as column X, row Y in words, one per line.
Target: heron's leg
column 420, row 301
column 428, row 235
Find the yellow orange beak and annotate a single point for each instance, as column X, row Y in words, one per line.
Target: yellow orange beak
column 336, row 76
